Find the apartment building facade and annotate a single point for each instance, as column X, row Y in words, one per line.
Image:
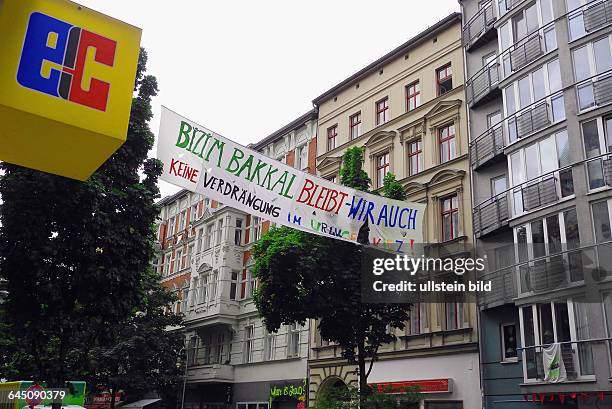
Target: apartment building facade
column 204, row 256
column 407, row 109
column 538, row 91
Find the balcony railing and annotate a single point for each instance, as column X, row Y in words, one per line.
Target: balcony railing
column 212, row 372
column 503, row 288
column 595, row 91
column 483, row 84
column 589, row 18
column 487, row 146
column 478, row 26
column 491, row 215
column 536, row 117
column 528, row 49
column 543, row 190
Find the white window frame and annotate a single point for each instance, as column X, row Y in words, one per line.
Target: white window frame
column 529, row 244
column 537, row 339
column 249, row 343
column 293, row 332
column 269, row 346
column 256, row 223
column 592, row 69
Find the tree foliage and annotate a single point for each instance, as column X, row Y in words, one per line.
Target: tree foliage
column 349, row 398
column 392, row 188
column 76, row 256
column 303, row 276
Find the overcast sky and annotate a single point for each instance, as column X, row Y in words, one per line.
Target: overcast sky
column 246, row 68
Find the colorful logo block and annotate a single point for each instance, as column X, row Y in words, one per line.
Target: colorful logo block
column 54, row 57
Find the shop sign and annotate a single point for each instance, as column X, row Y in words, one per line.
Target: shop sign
column 67, row 79
column 421, row 386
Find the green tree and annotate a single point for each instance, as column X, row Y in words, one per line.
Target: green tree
column 75, row 254
column 303, row 276
column 392, row 188
column 144, row 355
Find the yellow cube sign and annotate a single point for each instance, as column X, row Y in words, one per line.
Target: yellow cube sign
column 66, row 82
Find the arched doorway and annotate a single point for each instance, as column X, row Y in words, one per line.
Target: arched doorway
column 333, row 388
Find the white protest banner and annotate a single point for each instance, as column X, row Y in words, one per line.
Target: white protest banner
column 202, row 161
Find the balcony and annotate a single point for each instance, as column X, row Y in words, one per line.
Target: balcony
column 595, row 92
column 597, row 16
column 488, row 146
column 577, row 357
column 483, row 86
column 536, row 117
column 480, row 28
column 491, row 215
column 528, row 49
column 210, row 373
column 503, row 288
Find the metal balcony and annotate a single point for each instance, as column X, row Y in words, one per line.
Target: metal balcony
column 539, row 193
column 597, row 16
column 526, row 52
column 491, row 215
column 483, row 86
column 507, row 5
column 479, row 28
column 488, row 146
column 529, row 121
column 503, row 288
column 212, row 372
column 595, row 92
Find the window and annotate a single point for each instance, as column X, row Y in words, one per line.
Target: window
column 193, row 213
column 413, row 96
column 179, row 256
column 302, row 157
column 249, row 343
column 541, row 249
column 192, row 350
column 382, row 168
column 195, row 291
column 234, row 286
column 544, row 164
column 454, row 315
column 244, row 284
column 293, row 340
column 255, row 228
column 592, row 63
column 444, row 78
column 203, row 289
column 597, row 138
column 415, row 157
column 508, row 340
column 382, row 111
column 576, row 17
column 450, row 218
column 447, row 142
column 188, row 256
column 601, row 221
column 561, row 321
column 199, row 241
column 220, row 235
column 607, row 305
column 417, row 319
column 182, row 220
column 355, row 125
column 332, row 178
column 171, row 226
column 498, row 185
column 167, row 263
column 212, row 280
column 238, row 232
column 208, row 237
column 217, row 349
column 331, row 137
column 269, row 346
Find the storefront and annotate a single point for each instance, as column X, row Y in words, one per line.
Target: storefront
column 444, row 382
column 283, row 394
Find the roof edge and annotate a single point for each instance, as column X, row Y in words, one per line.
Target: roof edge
column 446, row 21
column 295, row 124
